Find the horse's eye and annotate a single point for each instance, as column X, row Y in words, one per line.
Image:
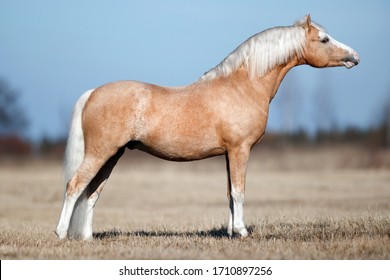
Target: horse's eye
column 325, row 40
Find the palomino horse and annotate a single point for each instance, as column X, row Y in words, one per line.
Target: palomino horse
column 223, row 113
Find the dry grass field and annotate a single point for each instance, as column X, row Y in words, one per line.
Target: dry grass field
column 307, row 203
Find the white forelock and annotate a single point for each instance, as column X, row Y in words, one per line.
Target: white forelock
column 263, row 51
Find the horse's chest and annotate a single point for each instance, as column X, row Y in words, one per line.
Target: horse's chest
column 249, row 126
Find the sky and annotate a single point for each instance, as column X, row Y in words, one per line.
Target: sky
column 53, row 51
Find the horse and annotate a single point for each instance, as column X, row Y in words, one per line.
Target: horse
column 224, row 112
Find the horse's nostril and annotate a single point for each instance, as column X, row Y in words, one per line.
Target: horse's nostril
column 353, row 58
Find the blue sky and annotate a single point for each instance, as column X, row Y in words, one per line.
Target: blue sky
column 53, row 51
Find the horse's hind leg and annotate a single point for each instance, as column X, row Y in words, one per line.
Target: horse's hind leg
column 88, row 169
column 81, row 222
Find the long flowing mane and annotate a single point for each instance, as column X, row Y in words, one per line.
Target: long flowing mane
column 263, row 51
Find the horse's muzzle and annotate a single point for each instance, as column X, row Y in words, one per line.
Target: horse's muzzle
column 351, row 60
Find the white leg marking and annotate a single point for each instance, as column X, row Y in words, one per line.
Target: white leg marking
column 238, row 213
column 79, row 218
column 82, row 217
column 66, row 214
column 87, row 229
column 230, row 224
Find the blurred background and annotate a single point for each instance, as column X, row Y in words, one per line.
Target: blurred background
column 51, row 52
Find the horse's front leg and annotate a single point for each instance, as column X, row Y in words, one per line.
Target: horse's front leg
column 236, row 162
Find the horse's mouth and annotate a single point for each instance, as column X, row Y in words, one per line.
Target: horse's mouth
column 349, row 64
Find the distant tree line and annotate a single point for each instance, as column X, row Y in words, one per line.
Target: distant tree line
column 13, row 122
column 375, row 137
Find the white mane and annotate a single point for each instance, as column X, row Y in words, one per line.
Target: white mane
column 263, row 51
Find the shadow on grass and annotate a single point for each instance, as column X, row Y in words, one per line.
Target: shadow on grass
column 216, row 233
column 302, row 231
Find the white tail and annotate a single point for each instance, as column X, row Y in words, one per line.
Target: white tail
column 74, row 155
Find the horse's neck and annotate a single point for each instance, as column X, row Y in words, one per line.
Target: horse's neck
column 264, row 88
column 270, row 82
column 260, row 90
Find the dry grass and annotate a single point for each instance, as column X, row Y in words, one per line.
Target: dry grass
column 359, row 238
column 300, row 204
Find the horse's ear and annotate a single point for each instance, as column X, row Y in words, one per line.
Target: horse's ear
column 308, row 22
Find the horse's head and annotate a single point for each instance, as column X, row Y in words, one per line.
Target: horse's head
column 321, row 50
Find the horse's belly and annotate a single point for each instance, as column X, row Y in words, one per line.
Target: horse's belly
column 178, row 151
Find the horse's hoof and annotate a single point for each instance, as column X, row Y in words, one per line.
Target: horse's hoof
column 60, row 235
column 243, row 233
